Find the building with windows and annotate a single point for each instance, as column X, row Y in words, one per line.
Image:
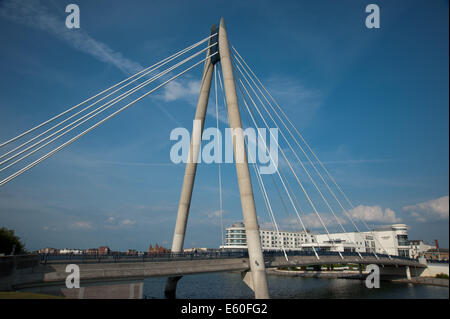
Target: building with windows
column 104, row 250
column 436, row 254
column 270, row 239
column 392, row 240
column 70, row 251
column 417, row 248
column 347, row 242
column 48, row 250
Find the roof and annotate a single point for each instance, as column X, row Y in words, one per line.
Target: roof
column 434, row 250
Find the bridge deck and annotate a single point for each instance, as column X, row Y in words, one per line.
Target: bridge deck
column 91, row 269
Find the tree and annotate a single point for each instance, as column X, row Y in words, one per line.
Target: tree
column 9, row 242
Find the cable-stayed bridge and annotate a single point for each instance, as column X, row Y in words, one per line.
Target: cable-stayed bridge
column 303, row 183
column 124, row 273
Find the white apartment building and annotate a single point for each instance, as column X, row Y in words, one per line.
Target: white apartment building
column 392, row 240
column 270, row 239
column 347, row 242
column 70, row 251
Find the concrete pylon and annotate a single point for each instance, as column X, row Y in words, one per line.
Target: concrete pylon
column 191, row 169
column 408, row 273
column 256, row 257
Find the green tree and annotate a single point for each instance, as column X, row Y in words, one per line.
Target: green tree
column 9, row 241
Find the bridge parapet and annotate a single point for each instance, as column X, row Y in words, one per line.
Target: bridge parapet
column 28, row 272
column 12, row 267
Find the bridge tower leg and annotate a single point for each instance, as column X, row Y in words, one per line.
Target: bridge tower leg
column 256, row 258
column 191, row 169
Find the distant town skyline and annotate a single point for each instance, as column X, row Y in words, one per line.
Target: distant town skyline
column 372, row 103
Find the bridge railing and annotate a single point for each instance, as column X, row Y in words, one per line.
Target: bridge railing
column 198, row 255
column 157, row 257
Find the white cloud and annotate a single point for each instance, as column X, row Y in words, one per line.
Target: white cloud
column 215, row 214
column 128, row 222
column 311, row 221
column 374, row 214
column 432, row 209
column 181, row 89
column 111, row 220
column 114, row 223
column 82, row 225
column 32, row 13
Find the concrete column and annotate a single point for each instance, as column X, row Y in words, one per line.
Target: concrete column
column 191, row 168
column 245, row 187
column 408, row 273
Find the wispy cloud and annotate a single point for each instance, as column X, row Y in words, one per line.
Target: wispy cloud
column 115, row 223
column 181, row 89
column 435, row 209
column 34, row 14
column 127, row 222
column 82, row 225
column 215, row 214
column 374, row 214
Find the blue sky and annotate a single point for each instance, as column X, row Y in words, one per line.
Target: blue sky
column 372, row 103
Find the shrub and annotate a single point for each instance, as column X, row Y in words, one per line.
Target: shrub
column 442, row 276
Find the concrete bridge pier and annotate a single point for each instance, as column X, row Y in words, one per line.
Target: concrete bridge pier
column 170, row 289
column 395, row 272
column 408, row 273
column 360, row 271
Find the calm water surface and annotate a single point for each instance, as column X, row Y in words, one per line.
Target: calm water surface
column 230, row 285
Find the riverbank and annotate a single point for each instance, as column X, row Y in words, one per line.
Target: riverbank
column 424, row 281
column 25, row 295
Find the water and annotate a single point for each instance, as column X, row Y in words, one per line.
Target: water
column 230, row 286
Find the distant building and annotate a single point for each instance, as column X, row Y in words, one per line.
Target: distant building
column 132, row 252
column 70, row 251
column 198, row 250
column 437, row 254
column 91, row 251
column 48, row 250
column 270, row 239
column 392, row 240
column 157, row 249
column 417, row 248
column 103, row 250
column 347, row 242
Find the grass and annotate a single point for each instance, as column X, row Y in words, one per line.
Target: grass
column 25, row 295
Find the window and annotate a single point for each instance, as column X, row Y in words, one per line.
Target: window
column 402, row 240
column 403, row 253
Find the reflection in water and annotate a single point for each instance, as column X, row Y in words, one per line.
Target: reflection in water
column 230, row 285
